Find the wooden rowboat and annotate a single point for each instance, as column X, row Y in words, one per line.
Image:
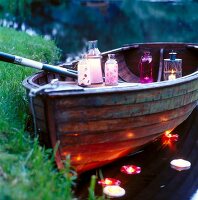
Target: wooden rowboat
column 99, row 124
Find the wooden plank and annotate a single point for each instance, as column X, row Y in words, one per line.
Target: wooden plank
column 93, row 127
column 125, row 97
column 117, row 135
column 111, row 151
column 123, row 111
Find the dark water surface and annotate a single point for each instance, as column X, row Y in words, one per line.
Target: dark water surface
column 114, row 22
column 157, row 181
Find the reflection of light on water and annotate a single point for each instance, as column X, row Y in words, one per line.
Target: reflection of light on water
column 195, row 196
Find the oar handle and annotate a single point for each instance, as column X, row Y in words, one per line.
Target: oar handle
column 38, row 65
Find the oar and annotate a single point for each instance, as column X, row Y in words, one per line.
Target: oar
column 38, row 65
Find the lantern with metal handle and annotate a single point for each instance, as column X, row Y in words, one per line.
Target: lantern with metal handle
column 172, row 67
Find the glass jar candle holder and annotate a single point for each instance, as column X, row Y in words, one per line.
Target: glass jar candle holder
column 146, row 68
column 94, row 62
column 111, row 70
column 172, row 67
column 84, row 77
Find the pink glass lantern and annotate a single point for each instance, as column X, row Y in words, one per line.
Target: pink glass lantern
column 146, row 68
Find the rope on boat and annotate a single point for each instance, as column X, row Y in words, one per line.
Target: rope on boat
column 32, row 94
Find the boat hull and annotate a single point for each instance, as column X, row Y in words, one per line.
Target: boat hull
column 100, row 124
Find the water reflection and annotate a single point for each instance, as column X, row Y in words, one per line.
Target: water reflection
column 113, row 23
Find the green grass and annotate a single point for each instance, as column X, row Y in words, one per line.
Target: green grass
column 26, row 169
column 12, row 97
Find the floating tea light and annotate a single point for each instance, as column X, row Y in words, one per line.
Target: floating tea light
column 180, row 164
column 169, row 137
column 114, row 191
column 109, row 181
column 130, row 169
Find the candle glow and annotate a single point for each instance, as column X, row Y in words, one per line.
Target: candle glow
column 109, row 181
column 169, row 137
column 95, row 70
column 130, row 169
column 172, row 76
column 114, row 191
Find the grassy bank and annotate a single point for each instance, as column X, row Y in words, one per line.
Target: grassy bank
column 26, row 169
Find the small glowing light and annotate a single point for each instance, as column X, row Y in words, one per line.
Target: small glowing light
column 168, row 137
column 172, row 76
column 114, row 191
column 180, row 164
column 109, row 181
column 130, row 169
column 78, row 158
column 130, row 135
column 65, row 153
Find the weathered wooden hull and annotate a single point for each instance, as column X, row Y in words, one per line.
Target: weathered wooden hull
column 98, row 125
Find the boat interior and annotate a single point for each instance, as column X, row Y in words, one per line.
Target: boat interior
column 128, row 58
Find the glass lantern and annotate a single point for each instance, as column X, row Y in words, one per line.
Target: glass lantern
column 111, row 70
column 172, row 67
column 146, row 68
column 94, row 62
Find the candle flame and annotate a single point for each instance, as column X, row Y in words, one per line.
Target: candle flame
column 172, row 71
column 130, row 170
column 109, row 181
column 168, row 138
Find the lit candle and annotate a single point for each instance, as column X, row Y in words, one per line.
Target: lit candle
column 109, row 181
column 130, row 169
column 170, row 137
column 114, row 191
column 172, row 76
column 180, row 164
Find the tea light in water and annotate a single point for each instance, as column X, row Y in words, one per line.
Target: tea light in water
column 114, row 191
column 170, row 137
column 180, row 164
column 109, row 181
column 130, row 169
